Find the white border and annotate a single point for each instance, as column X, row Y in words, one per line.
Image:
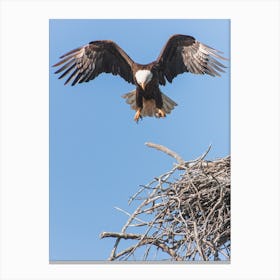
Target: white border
column 254, row 128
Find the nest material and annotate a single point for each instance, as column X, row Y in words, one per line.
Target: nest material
column 187, row 218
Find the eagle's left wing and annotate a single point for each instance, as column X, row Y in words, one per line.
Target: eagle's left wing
column 85, row 63
column 184, row 53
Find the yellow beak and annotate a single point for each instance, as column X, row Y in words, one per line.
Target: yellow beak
column 143, row 85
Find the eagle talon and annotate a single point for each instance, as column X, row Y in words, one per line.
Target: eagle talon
column 161, row 113
column 137, row 115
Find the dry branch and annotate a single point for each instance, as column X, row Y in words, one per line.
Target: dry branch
column 167, row 151
column 187, row 218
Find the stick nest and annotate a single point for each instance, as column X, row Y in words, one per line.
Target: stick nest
column 182, row 215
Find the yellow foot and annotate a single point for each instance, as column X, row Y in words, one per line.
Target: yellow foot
column 137, row 115
column 161, row 113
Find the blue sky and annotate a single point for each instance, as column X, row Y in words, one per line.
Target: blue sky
column 97, row 153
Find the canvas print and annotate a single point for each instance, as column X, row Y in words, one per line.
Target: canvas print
column 140, row 140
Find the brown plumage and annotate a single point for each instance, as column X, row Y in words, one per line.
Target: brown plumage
column 180, row 54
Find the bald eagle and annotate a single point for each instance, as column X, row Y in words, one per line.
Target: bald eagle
column 181, row 53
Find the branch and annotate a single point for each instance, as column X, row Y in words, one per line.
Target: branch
column 143, row 241
column 169, row 152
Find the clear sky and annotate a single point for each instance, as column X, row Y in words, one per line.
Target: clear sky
column 97, row 153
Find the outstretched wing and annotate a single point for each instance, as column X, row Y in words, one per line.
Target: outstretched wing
column 184, row 53
column 85, row 63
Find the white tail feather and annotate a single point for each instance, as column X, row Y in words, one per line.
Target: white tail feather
column 149, row 106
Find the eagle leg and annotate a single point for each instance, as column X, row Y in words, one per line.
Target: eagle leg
column 137, row 115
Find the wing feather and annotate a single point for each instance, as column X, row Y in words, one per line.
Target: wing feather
column 183, row 53
column 97, row 57
column 66, row 65
column 67, row 71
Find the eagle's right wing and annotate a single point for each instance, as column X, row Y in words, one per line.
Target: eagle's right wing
column 85, row 63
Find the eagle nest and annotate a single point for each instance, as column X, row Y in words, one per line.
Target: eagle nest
column 182, row 215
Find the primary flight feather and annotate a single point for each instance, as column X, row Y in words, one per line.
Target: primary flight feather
column 181, row 53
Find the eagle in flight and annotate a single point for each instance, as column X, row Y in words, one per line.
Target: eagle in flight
column 181, row 53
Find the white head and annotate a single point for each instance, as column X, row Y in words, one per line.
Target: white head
column 143, row 77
